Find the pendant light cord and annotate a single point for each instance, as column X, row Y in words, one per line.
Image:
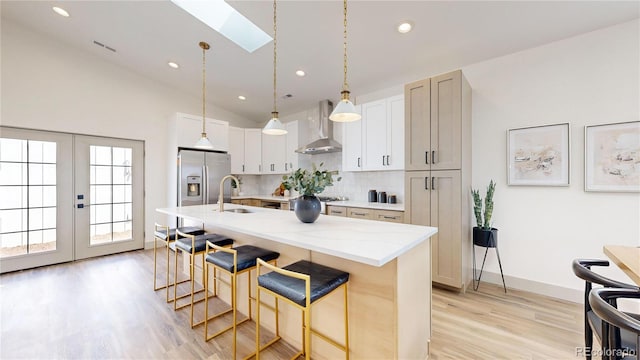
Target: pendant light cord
column 346, row 86
column 203, row 88
column 275, row 53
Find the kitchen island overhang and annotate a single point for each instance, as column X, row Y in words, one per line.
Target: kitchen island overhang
column 389, row 263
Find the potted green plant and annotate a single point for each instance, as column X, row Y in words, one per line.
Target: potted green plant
column 483, row 234
column 308, row 183
column 235, row 187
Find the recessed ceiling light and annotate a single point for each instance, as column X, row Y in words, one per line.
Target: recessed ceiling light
column 300, row 73
column 61, row 11
column 173, row 65
column 242, row 97
column 405, row 27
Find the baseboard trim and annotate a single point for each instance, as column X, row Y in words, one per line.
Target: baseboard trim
column 555, row 291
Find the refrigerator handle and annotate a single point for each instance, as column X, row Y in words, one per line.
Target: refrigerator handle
column 205, row 184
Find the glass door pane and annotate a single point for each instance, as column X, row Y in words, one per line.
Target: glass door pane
column 110, row 179
column 28, row 192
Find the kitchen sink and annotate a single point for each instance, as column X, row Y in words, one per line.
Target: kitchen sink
column 239, row 211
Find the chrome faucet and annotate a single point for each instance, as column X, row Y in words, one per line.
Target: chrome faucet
column 221, row 197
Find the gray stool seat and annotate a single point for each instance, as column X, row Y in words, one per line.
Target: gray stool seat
column 191, row 230
column 201, row 242
column 247, row 255
column 323, row 280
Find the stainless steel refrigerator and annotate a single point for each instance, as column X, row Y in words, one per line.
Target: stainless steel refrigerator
column 199, row 175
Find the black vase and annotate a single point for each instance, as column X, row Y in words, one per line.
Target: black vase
column 307, row 208
column 485, row 238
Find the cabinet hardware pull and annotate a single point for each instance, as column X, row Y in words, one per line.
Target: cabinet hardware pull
column 359, row 214
column 433, row 157
column 242, row 167
column 286, row 165
column 426, row 183
column 358, row 162
column 426, row 157
column 390, row 217
column 387, row 160
column 382, row 160
column 433, row 183
column 259, row 168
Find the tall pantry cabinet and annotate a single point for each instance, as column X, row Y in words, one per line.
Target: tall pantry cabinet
column 438, row 171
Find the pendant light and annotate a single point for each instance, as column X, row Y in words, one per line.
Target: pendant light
column 274, row 126
column 204, row 142
column 345, row 111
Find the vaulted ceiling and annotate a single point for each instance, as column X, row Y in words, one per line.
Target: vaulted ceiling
column 447, row 35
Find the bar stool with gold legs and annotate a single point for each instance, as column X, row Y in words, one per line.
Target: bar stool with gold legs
column 166, row 235
column 233, row 262
column 301, row 284
column 194, row 245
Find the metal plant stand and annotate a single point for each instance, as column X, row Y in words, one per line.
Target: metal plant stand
column 491, row 244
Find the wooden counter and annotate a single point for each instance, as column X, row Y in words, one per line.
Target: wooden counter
column 627, row 258
column 389, row 285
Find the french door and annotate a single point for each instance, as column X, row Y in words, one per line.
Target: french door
column 66, row 197
column 109, row 196
column 36, row 186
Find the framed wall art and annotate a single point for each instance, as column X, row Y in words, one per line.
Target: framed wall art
column 612, row 157
column 538, row 156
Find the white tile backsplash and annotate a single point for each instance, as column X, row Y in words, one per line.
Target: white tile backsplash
column 354, row 185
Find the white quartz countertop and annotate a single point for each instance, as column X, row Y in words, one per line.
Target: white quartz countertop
column 264, row 197
column 368, row 205
column 347, row 203
column 369, row 242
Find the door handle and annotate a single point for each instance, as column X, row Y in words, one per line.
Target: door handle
column 433, row 157
column 433, row 183
column 286, row 166
column 426, row 157
column 382, row 160
column 426, row 183
column 80, row 206
column 388, row 160
column 242, row 167
column 358, row 162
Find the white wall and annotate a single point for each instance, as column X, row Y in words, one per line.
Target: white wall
column 48, row 85
column 584, row 80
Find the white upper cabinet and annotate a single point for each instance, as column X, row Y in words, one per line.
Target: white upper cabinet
column 376, row 143
column 374, row 131
column 274, row 149
column 236, row 149
column 291, row 156
column 252, row 151
column 395, row 133
column 352, row 144
column 188, row 130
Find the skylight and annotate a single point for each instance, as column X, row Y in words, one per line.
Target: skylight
column 221, row 17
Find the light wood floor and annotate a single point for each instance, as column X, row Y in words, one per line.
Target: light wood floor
column 106, row 308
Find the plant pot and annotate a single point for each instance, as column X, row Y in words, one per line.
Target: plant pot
column 307, row 208
column 485, row 238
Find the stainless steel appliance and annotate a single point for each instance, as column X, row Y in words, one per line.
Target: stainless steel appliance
column 199, row 175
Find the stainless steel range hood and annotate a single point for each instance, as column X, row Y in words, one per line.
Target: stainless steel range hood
column 325, row 144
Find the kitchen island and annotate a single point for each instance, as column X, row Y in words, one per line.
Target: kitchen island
column 389, row 266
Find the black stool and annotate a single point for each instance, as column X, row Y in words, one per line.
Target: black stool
column 194, row 245
column 166, row 235
column 301, row 284
column 233, row 262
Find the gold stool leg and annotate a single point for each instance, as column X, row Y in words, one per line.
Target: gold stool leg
column 346, row 321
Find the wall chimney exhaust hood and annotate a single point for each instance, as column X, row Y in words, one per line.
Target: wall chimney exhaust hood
column 325, row 144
